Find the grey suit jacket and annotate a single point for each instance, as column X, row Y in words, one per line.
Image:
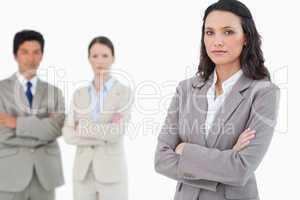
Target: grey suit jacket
column 33, row 143
column 99, row 143
column 207, row 163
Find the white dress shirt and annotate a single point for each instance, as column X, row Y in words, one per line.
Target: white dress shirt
column 24, row 81
column 214, row 104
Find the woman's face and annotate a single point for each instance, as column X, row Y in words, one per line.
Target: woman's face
column 100, row 58
column 223, row 37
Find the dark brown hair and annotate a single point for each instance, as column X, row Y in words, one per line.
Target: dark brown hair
column 102, row 40
column 251, row 58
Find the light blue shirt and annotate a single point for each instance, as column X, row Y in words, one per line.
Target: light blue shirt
column 98, row 97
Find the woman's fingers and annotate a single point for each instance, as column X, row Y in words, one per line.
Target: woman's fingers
column 248, row 137
column 244, row 139
column 246, row 134
column 243, row 145
column 247, row 131
column 240, row 146
column 116, row 118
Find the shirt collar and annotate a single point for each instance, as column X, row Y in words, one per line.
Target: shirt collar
column 24, row 81
column 107, row 85
column 228, row 83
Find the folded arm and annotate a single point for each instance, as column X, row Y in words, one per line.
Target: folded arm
column 8, row 135
column 231, row 167
column 88, row 132
column 166, row 159
column 45, row 129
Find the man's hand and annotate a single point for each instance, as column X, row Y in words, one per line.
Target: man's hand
column 7, row 120
column 179, row 148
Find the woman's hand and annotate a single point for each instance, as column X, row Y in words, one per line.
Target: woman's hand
column 116, row 118
column 179, row 148
column 244, row 139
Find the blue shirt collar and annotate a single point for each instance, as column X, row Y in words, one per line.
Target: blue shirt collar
column 107, row 85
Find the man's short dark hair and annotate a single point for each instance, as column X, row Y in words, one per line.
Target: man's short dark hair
column 27, row 35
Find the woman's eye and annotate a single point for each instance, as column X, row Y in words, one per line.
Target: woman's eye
column 95, row 56
column 229, row 32
column 209, row 32
column 104, row 55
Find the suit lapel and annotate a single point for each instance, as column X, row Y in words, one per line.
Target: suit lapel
column 200, row 104
column 85, row 103
column 41, row 89
column 109, row 102
column 82, row 104
column 19, row 95
column 110, row 97
column 232, row 101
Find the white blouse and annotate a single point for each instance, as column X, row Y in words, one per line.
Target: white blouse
column 214, row 104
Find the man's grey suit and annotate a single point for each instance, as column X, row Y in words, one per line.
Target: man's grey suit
column 208, row 168
column 32, row 145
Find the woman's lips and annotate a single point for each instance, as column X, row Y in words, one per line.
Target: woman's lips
column 219, row 52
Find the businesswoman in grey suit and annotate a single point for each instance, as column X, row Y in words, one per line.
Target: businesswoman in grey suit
column 96, row 124
column 220, row 122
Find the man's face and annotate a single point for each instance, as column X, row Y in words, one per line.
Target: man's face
column 28, row 57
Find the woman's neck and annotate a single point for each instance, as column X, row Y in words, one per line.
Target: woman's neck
column 99, row 81
column 226, row 71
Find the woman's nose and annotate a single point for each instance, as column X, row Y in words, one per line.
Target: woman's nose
column 219, row 41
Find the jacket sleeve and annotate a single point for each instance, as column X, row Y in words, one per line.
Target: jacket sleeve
column 231, row 167
column 8, row 136
column 86, row 134
column 70, row 134
column 166, row 159
column 45, row 129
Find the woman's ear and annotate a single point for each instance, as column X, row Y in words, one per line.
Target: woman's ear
column 245, row 41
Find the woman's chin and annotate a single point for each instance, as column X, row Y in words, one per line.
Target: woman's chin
column 221, row 61
column 100, row 72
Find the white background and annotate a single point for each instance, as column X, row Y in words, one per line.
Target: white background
column 157, row 45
